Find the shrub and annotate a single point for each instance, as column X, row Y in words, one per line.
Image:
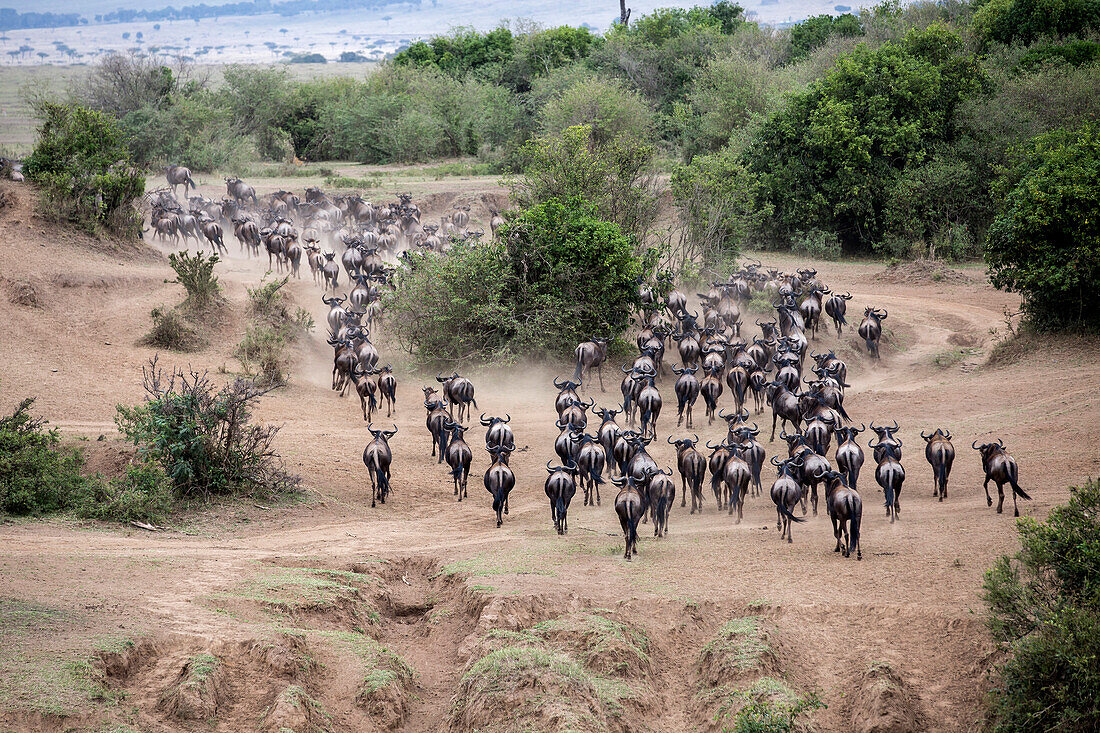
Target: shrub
column 202, row 437
column 816, row 243
column 196, row 274
column 195, row 130
column 1073, row 53
column 143, row 493
column 831, row 158
column 1044, row 605
column 263, row 352
column 812, row 33
column 1009, row 21
column 36, row 475
column 609, row 109
column 716, row 201
column 171, row 331
column 1045, row 242
column 123, row 83
column 85, row 171
column 614, row 177
column 556, row 275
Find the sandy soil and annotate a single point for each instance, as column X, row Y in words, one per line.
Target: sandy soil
column 68, row 587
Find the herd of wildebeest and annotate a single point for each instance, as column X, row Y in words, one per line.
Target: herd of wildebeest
column 714, row 358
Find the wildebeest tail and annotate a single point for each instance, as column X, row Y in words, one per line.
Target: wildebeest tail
column 843, row 321
column 851, row 476
column 941, row 475
column 442, row 444
column 594, row 476
column 577, row 372
column 840, row 409
column 888, row 490
column 190, row 183
column 854, row 518
column 786, row 512
column 1018, row 491
column 559, row 507
column 383, row 482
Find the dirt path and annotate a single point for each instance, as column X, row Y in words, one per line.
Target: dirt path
column 912, row 602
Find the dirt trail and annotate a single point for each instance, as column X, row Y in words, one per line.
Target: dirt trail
column 909, row 603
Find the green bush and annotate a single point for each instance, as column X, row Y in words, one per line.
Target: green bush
column 607, row 107
column 812, row 33
column 143, row 493
column 832, row 157
column 1015, row 21
column 82, row 164
column 195, row 272
column 1044, row 605
column 202, row 436
column 817, row 244
column 556, row 275
column 615, row 177
column 1073, row 53
column 1045, row 242
column 171, row 330
column 37, row 475
column 194, row 130
column 263, row 352
column 716, row 201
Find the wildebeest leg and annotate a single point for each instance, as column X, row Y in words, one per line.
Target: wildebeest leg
column 684, row 494
column 1000, row 496
column 988, row 498
column 813, row 499
column 779, row 520
column 373, row 487
column 836, row 532
column 597, row 494
column 505, row 504
column 625, row 524
column 599, row 373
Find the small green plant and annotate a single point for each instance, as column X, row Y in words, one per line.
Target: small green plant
column 171, row 330
column 263, row 354
column 196, row 274
column 353, row 183
column 142, row 493
column 263, row 351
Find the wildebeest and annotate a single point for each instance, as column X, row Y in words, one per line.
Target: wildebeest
column 590, row 461
column 1001, row 469
column 693, row 470
column 870, row 329
column 786, row 492
column 239, row 190
column 560, row 487
column 849, row 455
column 630, row 506
column 436, row 420
column 458, row 391
column 387, row 388
column 662, row 495
column 890, row 475
column 458, row 458
column 940, row 454
column 737, row 476
column 687, row 391
column 835, row 308
column 591, row 355
column 499, row 433
column 845, row 508
column 499, row 481
column 177, row 174
column 377, row 458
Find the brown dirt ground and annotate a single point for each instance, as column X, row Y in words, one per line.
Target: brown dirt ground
column 911, row 605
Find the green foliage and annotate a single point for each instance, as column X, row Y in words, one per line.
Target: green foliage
column 557, row 275
column 1015, row 21
column 607, row 107
column 812, row 33
column 171, row 330
column 464, row 50
column 717, row 206
column 1044, row 607
column 816, row 244
column 615, row 177
column 1073, row 53
column 263, row 352
column 143, row 493
column 84, row 169
column 565, row 259
column 831, row 158
column 540, row 52
column 37, row 476
column 195, row 272
column 202, row 437
column 194, row 130
column 1045, row 242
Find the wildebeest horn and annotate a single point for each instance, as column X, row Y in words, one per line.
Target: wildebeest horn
column 484, row 421
column 974, row 445
column 895, row 424
column 713, row 447
column 670, row 440
column 873, row 425
column 947, row 434
column 625, row 370
column 559, row 386
column 561, row 425
column 926, row 437
column 775, row 461
column 1000, row 443
column 549, row 468
column 507, row 417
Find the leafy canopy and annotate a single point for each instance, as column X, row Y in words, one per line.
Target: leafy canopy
column 831, row 158
column 1045, row 242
